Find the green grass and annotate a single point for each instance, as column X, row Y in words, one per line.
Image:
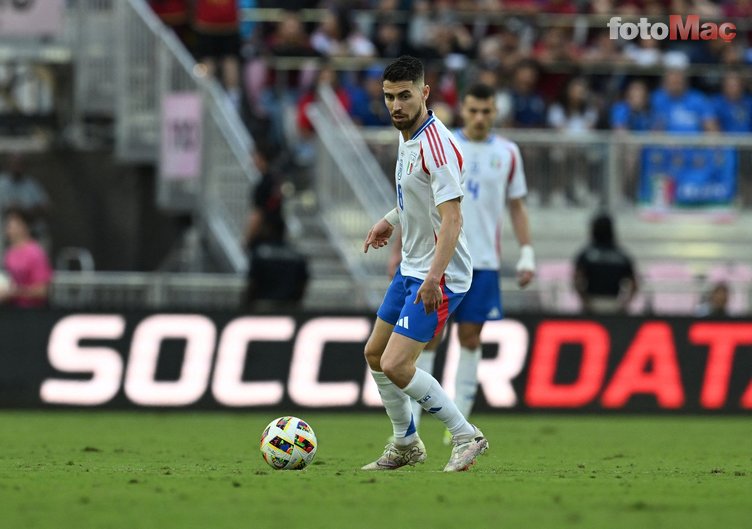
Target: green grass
column 165, row 470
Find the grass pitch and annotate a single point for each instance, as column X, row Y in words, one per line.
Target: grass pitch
column 164, row 470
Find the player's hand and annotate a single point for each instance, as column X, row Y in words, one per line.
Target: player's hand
column 524, row 277
column 378, row 236
column 430, row 294
column 526, row 266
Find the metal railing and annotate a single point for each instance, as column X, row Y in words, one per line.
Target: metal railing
column 90, row 28
column 595, row 168
column 148, row 290
column 352, row 190
column 151, row 62
column 138, row 291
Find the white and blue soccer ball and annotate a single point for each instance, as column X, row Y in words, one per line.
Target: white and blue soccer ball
column 288, row 443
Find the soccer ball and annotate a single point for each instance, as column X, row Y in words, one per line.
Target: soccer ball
column 288, row 443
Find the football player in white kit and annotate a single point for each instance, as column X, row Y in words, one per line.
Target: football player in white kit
column 494, row 175
column 435, row 273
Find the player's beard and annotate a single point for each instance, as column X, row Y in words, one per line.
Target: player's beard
column 406, row 124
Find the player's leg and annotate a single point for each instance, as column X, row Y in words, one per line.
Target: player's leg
column 425, row 362
column 396, row 403
column 481, row 303
column 398, row 362
column 469, row 442
column 466, row 381
column 405, row 448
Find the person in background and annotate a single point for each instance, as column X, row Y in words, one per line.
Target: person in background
column 715, row 302
column 368, row 100
column 217, row 27
column 604, row 275
column 575, row 114
column 633, row 113
column 175, row 14
column 733, row 106
column 528, row 106
column 494, row 181
column 26, row 262
column 19, row 190
column 677, row 108
column 277, row 274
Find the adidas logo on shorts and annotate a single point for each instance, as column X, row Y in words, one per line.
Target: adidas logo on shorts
column 402, row 322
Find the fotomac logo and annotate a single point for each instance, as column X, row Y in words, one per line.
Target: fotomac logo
column 676, row 29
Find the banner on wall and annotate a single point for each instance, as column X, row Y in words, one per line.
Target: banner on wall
column 687, row 177
column 31, row 18
column 181, row 137
column 157, row 360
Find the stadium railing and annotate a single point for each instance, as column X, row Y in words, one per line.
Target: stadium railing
column 551, row 293
column 127, row 78
column 352, row 190
column 604, row 168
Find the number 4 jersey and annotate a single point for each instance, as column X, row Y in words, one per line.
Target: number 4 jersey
column 493, row 173
column 430, row 172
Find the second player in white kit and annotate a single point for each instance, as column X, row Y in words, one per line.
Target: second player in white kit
column 494, row 181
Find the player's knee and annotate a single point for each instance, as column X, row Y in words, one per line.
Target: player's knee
column 470, row 340
column 395, row 371
column 373, row 356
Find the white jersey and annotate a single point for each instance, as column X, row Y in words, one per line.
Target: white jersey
column 428, row 173
column 493, row 173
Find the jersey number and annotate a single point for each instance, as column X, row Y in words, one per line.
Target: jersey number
column 399, row 197
column 474, row 187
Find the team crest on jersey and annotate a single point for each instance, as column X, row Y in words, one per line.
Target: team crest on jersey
column 496, row 162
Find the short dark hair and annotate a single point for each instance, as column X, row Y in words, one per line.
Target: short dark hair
column 15, row 211
column 406, row 68
column 480, row 91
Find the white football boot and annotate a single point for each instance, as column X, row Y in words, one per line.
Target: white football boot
column 395, row 456
column 465, row 450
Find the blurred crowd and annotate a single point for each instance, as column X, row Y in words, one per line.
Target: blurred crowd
column 552, row 62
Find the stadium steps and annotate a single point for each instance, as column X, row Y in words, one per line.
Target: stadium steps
column 330, row 281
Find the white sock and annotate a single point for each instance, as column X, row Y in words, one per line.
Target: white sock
column 397, row 405
column 432, row 397
column 466, row 383
column 425, row 362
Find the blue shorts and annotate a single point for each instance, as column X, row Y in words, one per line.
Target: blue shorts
column 410, row 319
column 482, row 302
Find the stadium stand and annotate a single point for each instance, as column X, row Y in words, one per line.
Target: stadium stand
column 668, row 210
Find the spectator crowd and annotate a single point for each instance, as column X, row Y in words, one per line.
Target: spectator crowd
column 562, row 72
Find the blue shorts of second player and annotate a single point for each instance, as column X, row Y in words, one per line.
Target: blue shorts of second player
column 409, row 318
column 482, row 302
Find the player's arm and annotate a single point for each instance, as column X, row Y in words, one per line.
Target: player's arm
column 580, row 281
column 35, row 291
column 378, row 235
column 628, row 287
column 521, row 227
column 446, row 242
column 253, row 226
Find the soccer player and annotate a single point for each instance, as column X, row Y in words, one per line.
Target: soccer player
column 494, row 175
column 435, row 272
